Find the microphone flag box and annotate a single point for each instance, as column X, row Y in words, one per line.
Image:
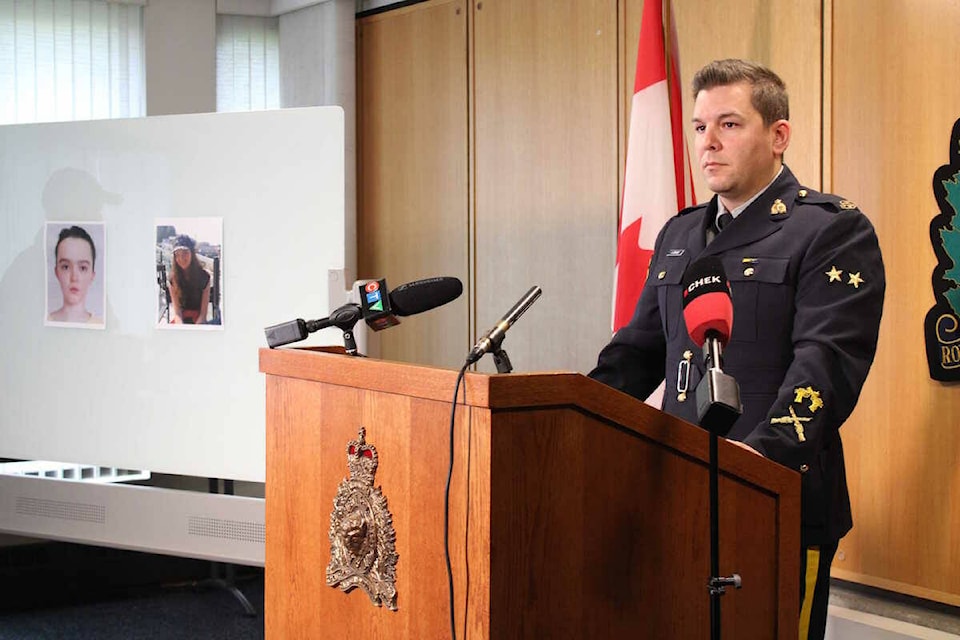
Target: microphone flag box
column 375, row 305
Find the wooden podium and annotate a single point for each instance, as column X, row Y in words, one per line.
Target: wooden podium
column 575, row 510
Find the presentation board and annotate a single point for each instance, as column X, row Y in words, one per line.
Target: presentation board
column 134, row 394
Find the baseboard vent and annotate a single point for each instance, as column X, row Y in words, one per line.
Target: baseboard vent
column 226, row 529
column 194, row 524
column 61, row 510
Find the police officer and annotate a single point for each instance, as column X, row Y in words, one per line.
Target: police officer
column 807, row 284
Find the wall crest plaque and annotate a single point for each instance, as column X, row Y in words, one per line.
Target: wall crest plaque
column 941, row 327
column 362, row 539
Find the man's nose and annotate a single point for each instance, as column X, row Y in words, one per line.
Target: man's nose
column 710, row 140
column 74, row 274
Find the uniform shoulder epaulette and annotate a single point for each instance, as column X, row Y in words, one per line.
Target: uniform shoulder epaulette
column 695, row 207
column 825, row 200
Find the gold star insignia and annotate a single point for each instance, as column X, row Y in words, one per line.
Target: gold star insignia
column 855, row 280
column 834, row 274
column 778, row 207
column 846, row 204
column 802, row 193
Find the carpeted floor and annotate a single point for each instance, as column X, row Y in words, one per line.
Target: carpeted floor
column 56, row 591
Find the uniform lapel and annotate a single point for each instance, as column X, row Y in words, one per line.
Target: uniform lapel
column 697, row 238
column 760, row 219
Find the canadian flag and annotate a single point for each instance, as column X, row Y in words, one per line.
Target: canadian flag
column 657, row 181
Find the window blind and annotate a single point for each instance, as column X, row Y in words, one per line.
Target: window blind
column 70, row 60
column 248, row 63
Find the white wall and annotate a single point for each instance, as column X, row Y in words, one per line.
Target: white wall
column 318, row 67
column 180, row 50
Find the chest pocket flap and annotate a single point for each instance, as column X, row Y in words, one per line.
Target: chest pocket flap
column 668, row 270
column 761, row 294
column 665, row 275
column 755, row 269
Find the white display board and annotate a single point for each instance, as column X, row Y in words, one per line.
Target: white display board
column 130, row 395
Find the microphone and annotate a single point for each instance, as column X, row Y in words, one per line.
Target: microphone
column 493, row 338
column 708, row 314
column 378, row 310
column 344, row 317
column 707, row 306
column 408, row 299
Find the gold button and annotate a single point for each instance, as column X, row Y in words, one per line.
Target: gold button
column 804, row 468
column 681, row 397
column 749, row 271
column 687, row 355
column 661, row 275
column 802, row 193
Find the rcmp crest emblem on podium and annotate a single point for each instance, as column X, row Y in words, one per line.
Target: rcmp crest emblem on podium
column 362, row 539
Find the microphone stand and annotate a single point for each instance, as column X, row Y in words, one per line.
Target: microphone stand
column 718, row 407
column 350, row 343
column 502, row 360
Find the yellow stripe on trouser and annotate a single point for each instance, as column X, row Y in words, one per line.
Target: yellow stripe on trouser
column 813, row 566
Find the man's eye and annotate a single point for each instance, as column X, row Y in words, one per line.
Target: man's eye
column 729, row 125
column 83, row 268
column 699, row 128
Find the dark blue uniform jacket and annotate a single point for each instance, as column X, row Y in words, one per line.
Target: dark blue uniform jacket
column 807, row 285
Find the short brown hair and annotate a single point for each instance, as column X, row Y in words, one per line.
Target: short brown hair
column 769, row 96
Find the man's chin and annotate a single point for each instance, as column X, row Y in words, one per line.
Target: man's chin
column 719, row 187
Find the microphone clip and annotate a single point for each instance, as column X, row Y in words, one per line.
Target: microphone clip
column 502, row 360
column 718, row 394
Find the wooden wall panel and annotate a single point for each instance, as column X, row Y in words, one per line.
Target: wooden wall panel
column 546, row 151
column 782, row 34
column 412, row 196
column 549, row 84
column 894, row 100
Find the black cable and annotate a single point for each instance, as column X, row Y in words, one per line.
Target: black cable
column 446, row 505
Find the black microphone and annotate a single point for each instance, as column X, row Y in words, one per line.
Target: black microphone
column 708, row 314
column 378, row 310
column 491, row 341
column 382, row 311
column 344, row 317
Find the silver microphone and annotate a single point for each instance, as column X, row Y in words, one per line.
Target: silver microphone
column 491, row 341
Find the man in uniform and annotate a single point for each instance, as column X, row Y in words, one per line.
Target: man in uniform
column 807, row 285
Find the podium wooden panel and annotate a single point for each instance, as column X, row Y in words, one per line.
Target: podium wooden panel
column 575, row 510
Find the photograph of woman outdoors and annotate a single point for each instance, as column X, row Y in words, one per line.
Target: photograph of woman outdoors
column 73, row 259
column 189, row 284
column 189, row 272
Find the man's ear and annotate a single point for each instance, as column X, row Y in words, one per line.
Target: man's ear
column 781, row 136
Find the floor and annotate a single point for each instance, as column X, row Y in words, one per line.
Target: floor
column 78, row 592
column 862, row 613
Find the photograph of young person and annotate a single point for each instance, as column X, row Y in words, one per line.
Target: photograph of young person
column 189, row 273
column 75, row 291
column 189, row 284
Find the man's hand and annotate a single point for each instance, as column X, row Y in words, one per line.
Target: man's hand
column 744, row 445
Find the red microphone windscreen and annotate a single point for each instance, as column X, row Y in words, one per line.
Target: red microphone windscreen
column 709, row 312
column 706, row 300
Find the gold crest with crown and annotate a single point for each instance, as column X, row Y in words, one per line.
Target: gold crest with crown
column 362, row 539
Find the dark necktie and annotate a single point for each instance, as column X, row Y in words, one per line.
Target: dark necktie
column 724, row 219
